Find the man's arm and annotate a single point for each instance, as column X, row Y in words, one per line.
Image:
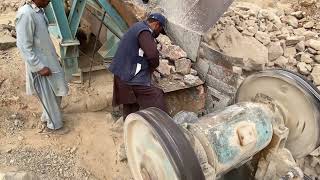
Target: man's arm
column 25, row 27
column 149, row 46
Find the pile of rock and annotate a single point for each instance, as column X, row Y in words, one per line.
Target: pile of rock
column 174, row 63
column 269, row 38
column 12, row 5
column 311, row 164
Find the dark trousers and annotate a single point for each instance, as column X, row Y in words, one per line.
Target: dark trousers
column 146, row 96
column 135, row 98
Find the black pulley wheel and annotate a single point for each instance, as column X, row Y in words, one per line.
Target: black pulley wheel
column 157, row 149
column 299, row 101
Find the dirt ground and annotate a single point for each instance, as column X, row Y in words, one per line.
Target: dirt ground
column 92, row 148
column 89, row 151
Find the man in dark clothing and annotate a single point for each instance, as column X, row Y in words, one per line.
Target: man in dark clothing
column 133, row 64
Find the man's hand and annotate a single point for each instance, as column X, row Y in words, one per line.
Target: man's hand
column 45, row 72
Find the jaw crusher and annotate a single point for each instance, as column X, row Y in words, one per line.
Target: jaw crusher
column 273, row 120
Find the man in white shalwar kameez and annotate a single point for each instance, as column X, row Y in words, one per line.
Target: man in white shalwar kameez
column 42, row 63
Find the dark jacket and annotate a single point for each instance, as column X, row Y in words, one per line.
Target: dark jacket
column 127, row 58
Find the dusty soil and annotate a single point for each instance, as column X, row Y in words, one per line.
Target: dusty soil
column 88, row 151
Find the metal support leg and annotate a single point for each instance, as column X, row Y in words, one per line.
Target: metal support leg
column 67, row 29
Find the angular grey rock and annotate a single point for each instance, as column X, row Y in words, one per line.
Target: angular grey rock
column 262, row 27
column 292, row 21
column 172, row 52
column 306, row 58
column 299, row 31
column 315, row 75
column 193, row 72
column 315, row 44
column 247, row 33
column 310, row 35
column 293, row 40
column 164, row 68
column 304, row 68
column 270, row 64
column 275, row 51
column 253, row 29
column 7, row 42
column 281, row 62
column 172, row 69
column 292, row 61
column 263, row 37
column 309, row 25
column 311, row 51
column 190, row 79
column 301, row 46
column 164, row 39
column 157, row 75
column 298, row 14
column 316, row 58
column 183, row 66
column 271, row 27
column 237, row 70
column 290, row 52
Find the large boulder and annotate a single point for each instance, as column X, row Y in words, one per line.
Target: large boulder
column 232, row 43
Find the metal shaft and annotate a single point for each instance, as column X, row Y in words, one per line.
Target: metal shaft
column 95, row 46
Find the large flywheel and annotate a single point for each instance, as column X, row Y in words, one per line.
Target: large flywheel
column 299, row 101
column 157, row 148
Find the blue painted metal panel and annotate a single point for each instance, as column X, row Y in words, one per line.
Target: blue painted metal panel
column 109, row 21
column 65, row 29
column 50, row 14
column 75, row 15
column 114, row 15
column 109, row 48
column 61, row 20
